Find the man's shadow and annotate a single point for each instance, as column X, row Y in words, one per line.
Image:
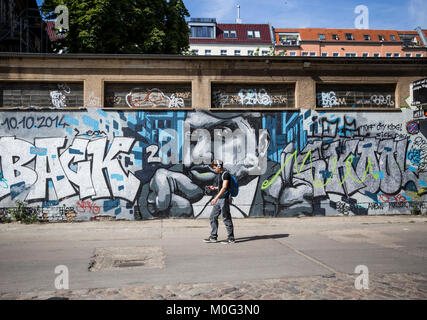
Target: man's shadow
column 269, row 236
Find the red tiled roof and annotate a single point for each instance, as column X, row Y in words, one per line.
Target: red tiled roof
column 51, row 31
column 312, row 34
column 241, row 34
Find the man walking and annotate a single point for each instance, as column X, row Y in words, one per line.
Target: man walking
column 221, row 203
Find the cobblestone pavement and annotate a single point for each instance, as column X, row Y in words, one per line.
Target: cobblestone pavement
column 335, row 287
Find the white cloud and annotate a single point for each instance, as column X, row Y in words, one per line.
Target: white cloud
column 417, row 10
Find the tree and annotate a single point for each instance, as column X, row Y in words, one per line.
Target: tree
column 123, row 26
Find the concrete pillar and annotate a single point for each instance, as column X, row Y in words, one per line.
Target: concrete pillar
column 305, row 94
column 93, row 92
column 201, row 92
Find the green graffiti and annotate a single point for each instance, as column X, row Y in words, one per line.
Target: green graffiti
column 318, row 183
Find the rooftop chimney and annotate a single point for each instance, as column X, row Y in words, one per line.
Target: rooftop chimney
column 238, row 20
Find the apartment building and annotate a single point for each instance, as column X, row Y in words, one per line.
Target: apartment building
column 208, row 37
column 350, row 42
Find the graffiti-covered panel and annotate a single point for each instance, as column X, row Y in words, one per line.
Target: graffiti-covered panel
column 81, row 165
column 148, row 95
column 41, row 94
column 252, row 95
column 355, row 95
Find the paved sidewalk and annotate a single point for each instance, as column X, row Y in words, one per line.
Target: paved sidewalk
column 334, row 287
column 289, row 258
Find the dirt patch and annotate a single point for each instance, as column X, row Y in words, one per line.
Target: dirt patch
column 124, row 258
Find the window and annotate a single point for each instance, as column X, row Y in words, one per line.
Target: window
column 312, row 54
column 202, row 32
column 237, row 52
column 245, row 96
column 355, row 95
column 264, row 52
column 207, row 52
column 365, row 54
column 305, row 53
column 322, row 36
column 195, row 51
column 349, row 36
column 376, row 55
column 335, row 54
column 41, row 94
column 223, row 52
column 229, row 33
column 380, row 37
column 335, row 37
column 393, row 38
column 147, row 95
column 350, row 54
column 408, row 55
column 367, row 37
column 292, row 53
column 324, row 54
column 289, row 39
column 396, row 55
column 388, row 54
column 250, row 52
column 253, row 34
column 418, row 55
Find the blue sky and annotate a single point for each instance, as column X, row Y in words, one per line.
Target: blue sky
column 383, row 14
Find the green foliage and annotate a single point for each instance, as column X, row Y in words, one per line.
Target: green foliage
column 22, row 213
column 189, row 53
column 123, row 27
column 416, row 211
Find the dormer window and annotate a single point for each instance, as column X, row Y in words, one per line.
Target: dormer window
column 349, row 36
column 335, row 37
column 393, row 38
column 230, row 34
column 381, row 37
column 367, row 37
column 322, row 36
column 202, row 32
column 254, row 34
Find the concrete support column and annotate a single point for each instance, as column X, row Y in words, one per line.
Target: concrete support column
column 93, row 92
column 201, row 91
column 305, row 94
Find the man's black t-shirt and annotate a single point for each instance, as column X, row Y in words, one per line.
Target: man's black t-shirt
column 219, row 180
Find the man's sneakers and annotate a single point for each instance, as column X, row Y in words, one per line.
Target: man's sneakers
column 210, row 240
column 228, row 241
column 214, row 240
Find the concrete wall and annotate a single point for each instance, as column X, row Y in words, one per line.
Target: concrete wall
column 126, row 163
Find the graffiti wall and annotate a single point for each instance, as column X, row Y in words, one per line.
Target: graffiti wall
column 88, row 164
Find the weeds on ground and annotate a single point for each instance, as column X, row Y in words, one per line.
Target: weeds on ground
column 416, row 211
column 22, row 213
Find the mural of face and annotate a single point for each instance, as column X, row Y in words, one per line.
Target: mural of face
column 235, row 138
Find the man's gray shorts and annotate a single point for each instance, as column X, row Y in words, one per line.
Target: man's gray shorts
column 222, row 206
